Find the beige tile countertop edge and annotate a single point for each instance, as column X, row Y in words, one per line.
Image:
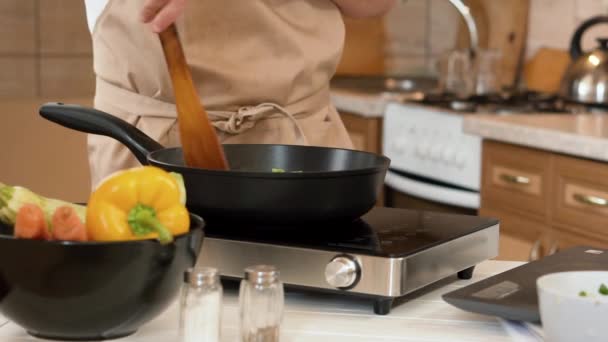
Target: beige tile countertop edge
column 365, row 105
column 527, row 131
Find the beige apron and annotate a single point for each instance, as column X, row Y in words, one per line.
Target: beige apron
column 261, row 67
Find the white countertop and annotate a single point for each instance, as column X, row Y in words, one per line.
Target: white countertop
column 316, row 317
column 582, row 135
column 368, row 105
column 365, row 105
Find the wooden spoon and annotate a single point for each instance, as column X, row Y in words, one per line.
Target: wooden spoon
column 201, row 146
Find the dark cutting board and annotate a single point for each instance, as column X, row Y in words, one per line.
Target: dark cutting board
column 512, row 295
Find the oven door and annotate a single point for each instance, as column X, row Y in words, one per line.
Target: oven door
column 409, row 191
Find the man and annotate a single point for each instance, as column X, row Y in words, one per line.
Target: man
column 261, row 67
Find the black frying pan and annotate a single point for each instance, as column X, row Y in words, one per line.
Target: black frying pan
column 335, row 184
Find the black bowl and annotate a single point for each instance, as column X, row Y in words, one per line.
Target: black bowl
column 93, row 290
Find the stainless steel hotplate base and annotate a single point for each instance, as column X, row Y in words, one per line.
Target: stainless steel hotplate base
column 383, row 277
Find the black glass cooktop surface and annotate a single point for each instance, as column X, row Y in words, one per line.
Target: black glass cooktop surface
column 386, row 232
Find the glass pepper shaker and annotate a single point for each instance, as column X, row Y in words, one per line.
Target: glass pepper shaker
column 261, row 301
column 201, row 305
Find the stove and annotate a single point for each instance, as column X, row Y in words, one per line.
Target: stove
column 518, row 102
column 385, row 255
column 433, row 162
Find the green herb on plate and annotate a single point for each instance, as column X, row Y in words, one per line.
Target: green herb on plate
column 603, row 290
column 583, row 293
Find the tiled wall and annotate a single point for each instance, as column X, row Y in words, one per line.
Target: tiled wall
column 45, row 50
column 420, row 30
column 46, row 46
column 552, row 22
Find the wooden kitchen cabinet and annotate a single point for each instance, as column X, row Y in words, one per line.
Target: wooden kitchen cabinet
column 521, row 238
column 366, row 133
column 516, row 179
column 545, row 201
column 559, row 240
column 580, row 204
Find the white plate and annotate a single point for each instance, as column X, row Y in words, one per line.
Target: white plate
column 566, row 315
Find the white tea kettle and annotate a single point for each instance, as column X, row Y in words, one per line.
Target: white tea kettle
column 586, row 79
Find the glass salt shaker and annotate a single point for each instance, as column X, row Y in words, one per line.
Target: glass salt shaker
column 201, row 306
column 261, row 301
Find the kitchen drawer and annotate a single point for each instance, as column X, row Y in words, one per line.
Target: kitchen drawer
column 580, row 204
column 516, row 179
column 365, row 133
column 520, row 238
column 560, row 240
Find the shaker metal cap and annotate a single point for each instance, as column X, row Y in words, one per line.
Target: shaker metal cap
column 199, row 276
column 262, row 274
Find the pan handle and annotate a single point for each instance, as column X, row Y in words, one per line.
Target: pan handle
column 93, row 121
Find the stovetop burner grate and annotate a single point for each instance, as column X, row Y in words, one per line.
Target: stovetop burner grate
column 517, row 102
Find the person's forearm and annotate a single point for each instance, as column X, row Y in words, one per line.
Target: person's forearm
column 364, row 8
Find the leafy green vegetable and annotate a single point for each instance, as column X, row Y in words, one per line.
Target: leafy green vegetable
column 582, row 294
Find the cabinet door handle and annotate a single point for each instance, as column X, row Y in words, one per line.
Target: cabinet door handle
column 591, row 200
column 554, row 248
column 535, row 251
column 515, row 179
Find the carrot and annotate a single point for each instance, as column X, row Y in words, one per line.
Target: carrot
column 31, row 224
column 67, row 225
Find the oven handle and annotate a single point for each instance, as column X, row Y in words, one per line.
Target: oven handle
column 432, row 192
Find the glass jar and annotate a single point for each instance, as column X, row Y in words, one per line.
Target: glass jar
column 456, row 73
column 464, row 74
column 488, row 72
column 261, row 301
column 201, row 306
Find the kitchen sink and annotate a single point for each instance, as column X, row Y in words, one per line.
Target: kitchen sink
column 402, row 86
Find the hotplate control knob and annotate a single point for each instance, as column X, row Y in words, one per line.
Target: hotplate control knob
column 342, row 272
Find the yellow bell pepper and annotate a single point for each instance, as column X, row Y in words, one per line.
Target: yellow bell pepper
column 139, row 203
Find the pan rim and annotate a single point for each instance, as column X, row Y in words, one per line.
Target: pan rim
column 381, row 167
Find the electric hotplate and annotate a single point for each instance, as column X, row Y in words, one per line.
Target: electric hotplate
column 385, row 254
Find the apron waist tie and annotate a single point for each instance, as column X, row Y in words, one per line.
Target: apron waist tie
column 231, row 122
column 244, row 118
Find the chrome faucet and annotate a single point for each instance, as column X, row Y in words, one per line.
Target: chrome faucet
column 466, row 14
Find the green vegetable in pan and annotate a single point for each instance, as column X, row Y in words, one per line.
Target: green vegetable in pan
column 278, row 170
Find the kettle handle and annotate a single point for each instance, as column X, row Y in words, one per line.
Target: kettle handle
column 575, row 45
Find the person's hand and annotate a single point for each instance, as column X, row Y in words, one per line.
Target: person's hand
column 162, row 13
